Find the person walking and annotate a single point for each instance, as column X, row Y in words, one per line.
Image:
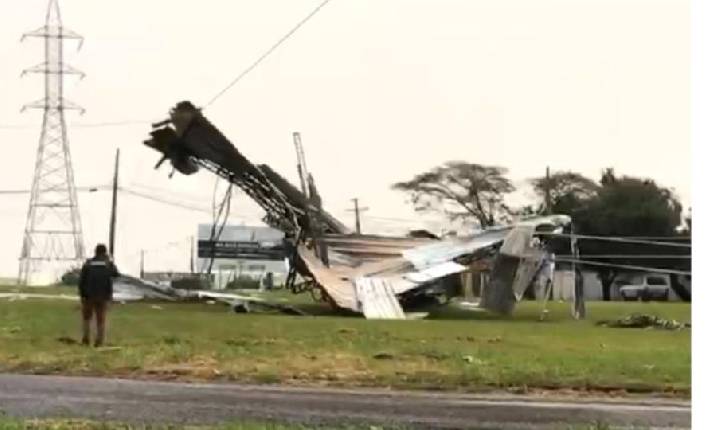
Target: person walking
column 96, row 291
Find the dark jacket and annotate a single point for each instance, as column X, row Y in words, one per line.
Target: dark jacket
column 96, row 279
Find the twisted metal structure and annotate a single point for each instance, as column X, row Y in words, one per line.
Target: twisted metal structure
column 189, row 141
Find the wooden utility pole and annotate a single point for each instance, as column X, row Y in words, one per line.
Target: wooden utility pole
column 192, row 254
column 142, row 264
column 357, row 211
column 548, row 202
column 113, row 211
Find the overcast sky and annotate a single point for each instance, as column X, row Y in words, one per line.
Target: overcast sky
column 379, row 89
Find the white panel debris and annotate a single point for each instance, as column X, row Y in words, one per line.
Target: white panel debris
column 426, row 256
column 377, row 299
column 435, row 272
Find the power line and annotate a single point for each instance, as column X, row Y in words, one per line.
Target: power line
column 174, row 203
column 90, row 189
column 185, row 198
column 162, row 200
column 630, row 256
column 110, row 124
column 267, row 53
column 616, row 239
column 213, row 100
column 80, row 125
column 625, row 266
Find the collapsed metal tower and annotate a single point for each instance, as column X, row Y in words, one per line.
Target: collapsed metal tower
column 53, row 234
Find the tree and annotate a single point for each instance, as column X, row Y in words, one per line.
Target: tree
column 567, row 191
column 628, row 206
column 462, row 190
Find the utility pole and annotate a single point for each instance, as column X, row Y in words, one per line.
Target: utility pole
column 548, row 202
column 53, row 232
column 192, row 254
column 142, row 264
column 301, row 166
column 357, row 211
column 113, row 211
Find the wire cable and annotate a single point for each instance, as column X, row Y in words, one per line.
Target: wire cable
column 615, row 239
column 224, row 205
column 176, row 203
column 244, row 73
column 624, row 266
column 79, row 125
column 630, row 256
column 267, row 53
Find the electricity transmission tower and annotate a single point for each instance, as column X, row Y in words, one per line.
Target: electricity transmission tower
column 52, row 241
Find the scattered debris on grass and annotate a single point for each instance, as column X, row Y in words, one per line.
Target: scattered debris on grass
column 24, row 296
column 383, row 356
column 257, row 306
column 644, row 321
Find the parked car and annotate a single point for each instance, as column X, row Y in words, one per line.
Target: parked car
column 652, row 287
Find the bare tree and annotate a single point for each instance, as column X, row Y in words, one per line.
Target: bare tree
column 461, row 190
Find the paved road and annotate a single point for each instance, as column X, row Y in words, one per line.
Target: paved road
column 181, row 403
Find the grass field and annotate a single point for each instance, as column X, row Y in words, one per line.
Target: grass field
column 453, row 349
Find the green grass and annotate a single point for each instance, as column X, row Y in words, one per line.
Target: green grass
column 453, row 349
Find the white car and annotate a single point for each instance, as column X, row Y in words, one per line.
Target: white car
column 653, row 287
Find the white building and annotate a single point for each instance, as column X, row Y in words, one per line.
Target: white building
column 250, row 251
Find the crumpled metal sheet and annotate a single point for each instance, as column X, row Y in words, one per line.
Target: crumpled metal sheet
column 516, row 265
column 499, row 296
column 128, row 288
column 436, row 253
column 435, row 272
column 527, row 269
column 377, row 299
column 340, row 289
column 517, row 241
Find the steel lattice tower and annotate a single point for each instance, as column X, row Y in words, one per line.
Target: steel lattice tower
column 53, row 240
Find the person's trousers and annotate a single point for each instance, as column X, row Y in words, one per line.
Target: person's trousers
column 97, row 308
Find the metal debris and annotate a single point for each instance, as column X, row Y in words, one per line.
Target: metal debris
column 644, row 321
column 377, row 299
column 24, row 296
column 361, row 273
column 247, row 304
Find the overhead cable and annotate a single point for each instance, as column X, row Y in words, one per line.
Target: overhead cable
column 631, row 256
column 79, row 125
column 624, row 266
column 616, row 239
column 267, row 53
